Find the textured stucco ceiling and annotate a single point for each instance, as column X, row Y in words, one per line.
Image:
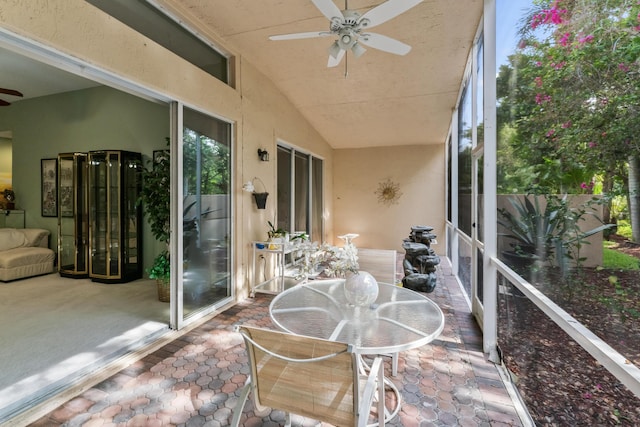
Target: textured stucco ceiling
column 385, row 99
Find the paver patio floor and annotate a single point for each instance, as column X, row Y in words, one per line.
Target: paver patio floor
column 195, row 379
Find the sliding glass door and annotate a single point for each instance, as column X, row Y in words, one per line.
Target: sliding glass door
column 206, row 216
column 300, row 193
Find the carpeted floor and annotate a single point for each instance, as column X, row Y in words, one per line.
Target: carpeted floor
column 54, row 327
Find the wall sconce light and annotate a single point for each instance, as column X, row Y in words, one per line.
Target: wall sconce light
column 261, row 197
column 263, row 155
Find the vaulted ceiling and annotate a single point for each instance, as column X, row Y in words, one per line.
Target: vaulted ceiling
column 378, row 99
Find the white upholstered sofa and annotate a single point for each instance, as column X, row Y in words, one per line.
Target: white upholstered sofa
column 24, row 253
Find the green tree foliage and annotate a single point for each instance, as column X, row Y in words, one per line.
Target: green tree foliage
column 572, row 88
column 213, row 174
column 571, row 95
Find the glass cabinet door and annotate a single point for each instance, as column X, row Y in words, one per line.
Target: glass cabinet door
column 98, row 214
column 115, row 244
column 132, row 233
column 113, row 214
column 73, row 228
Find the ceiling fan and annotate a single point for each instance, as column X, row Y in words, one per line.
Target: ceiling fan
column 12, row 92
column 350, row 28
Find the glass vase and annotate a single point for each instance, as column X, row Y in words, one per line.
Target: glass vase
column 360, row 289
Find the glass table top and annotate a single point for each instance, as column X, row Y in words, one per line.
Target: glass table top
column 400, row 319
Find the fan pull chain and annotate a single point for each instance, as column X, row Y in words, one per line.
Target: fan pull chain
column 346, row 62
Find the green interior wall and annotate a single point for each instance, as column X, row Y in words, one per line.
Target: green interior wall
column 98, row 118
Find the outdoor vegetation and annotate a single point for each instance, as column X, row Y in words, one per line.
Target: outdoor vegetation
column 568, row 124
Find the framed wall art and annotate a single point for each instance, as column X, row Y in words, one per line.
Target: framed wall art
column 49, row 178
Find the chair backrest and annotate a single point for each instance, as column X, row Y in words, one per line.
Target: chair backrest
column 307, row 376
column 380, row 263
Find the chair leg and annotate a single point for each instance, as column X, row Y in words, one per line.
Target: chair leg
column 381, row 401
column 237, row 411
column 394, row 364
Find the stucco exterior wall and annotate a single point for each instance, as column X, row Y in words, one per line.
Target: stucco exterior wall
column 260, row 113
column 591, row 250
column 270, row 118
column 419, row 172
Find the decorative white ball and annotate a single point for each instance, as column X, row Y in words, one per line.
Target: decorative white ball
column 361, row 289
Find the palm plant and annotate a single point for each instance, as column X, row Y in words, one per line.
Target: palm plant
column 533, row 230
column 537, row 233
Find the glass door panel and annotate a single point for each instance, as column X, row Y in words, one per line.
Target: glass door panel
column 317, row 205
column 206, row 212
column 302, row 193
column 284, row 188
column 300, row 197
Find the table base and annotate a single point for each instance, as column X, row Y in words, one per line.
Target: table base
column 389, row 415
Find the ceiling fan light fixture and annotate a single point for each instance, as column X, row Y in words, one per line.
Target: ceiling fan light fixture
column 334, row 50
column 357, row 50
column 347, row 26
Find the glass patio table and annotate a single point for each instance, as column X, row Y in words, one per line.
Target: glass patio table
column 400, row 319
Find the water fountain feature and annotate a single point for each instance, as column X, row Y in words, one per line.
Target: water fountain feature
column 420, row 260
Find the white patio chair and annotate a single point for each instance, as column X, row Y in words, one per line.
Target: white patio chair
column 311, row 377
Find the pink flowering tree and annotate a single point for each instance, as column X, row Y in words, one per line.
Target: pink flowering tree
column 571, row 96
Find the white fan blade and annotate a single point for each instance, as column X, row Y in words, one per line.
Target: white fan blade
column 294, row 36
column 335, row 61
column 387, row 44
column 386, row 11
column 328, row 9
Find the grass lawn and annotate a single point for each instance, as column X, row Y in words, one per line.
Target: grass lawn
column 617, row 260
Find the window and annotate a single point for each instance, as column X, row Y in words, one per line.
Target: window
column 464, row 161
column 152, row 23
column 300, row 192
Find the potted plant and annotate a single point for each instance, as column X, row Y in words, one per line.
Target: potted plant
column 161, row 272
column 276, row 235
column 156, row 199
column 275, row 232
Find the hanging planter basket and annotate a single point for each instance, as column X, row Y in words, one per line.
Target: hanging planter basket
column 261, row 199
